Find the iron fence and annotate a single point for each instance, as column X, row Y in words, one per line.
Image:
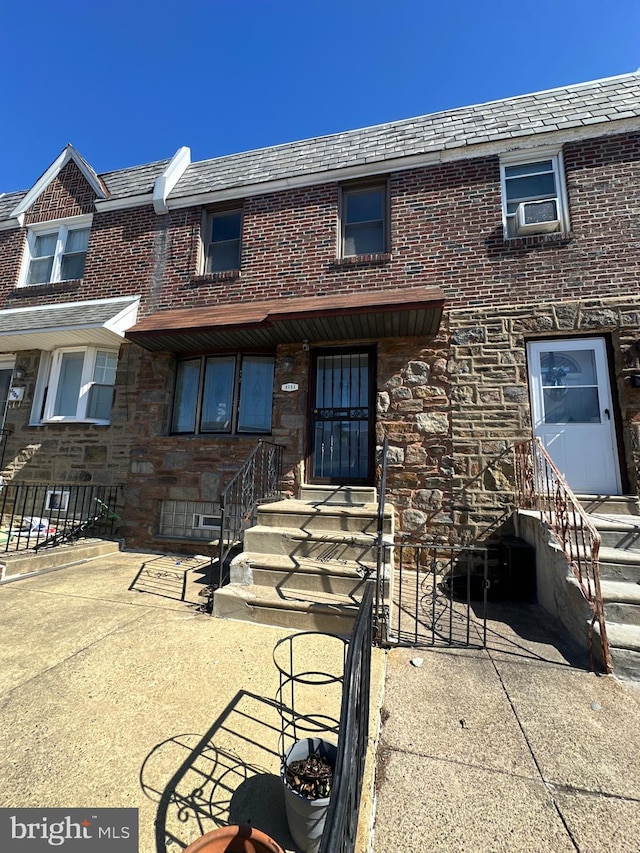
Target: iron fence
column 541, row 487
column 436, row 596
column 39, row 515
column 341, row 826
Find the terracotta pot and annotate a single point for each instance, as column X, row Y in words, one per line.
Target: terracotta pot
column 234, row 839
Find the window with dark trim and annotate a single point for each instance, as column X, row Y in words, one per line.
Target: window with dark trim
column 223, row 394
column 364, row 221
column 222, row 241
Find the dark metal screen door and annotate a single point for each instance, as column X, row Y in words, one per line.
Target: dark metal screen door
column 342, row 426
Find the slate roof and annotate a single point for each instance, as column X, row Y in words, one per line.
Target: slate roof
column 138, row 180
column 594, row 103
column 597, row 102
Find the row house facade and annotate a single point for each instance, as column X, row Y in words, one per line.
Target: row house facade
column 454, row 283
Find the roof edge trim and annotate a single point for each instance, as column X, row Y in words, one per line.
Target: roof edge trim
column 67, row 154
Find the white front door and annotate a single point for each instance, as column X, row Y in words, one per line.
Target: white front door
column 572, row 412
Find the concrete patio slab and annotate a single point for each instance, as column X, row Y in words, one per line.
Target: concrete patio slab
column 123, row 698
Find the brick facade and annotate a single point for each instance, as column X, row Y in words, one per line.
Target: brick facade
column 449, row 406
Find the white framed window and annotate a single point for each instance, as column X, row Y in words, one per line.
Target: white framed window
column 223, row 394
column 534, row 195
column 55, row 251
column 57, row 500
column 222, row 235
column 75, row 384
column 206, row 522
column 364, row 221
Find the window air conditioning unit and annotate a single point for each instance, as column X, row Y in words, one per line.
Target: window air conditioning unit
column 537, row 217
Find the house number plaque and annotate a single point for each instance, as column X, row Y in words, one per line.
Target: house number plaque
column 290, row 386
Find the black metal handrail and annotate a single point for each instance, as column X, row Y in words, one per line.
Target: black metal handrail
column 258, row 480
column 39, row 515
column 341, row 826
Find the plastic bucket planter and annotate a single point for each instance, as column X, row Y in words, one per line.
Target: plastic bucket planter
column 234, row 839
column 306, row 818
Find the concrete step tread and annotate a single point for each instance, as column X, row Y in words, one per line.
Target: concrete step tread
column 625, row 592
column 342, row 495
column 622, row 636
column 294, row 505
column 605, row 504
column 618, row 555
column 290, row 599
column 285, row 563
column 298, row 533
column 609, row 521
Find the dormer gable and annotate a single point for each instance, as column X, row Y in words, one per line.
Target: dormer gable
column 69, row 187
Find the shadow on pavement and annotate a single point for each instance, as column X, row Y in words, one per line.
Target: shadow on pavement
column 166, row 575
column 224, row 776
column 524, row 630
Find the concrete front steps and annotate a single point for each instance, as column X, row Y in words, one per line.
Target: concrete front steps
column 304, row 565
column 617, row 519
column 22, row 564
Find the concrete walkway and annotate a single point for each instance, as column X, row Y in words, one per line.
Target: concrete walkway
column 116, row 691
column 513, row 749
column 118, row 696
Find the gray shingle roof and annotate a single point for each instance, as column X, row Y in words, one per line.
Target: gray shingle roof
column 595, row 103
column 8, row 201
column 600, row 101
column 138, row 180
column 62, row 316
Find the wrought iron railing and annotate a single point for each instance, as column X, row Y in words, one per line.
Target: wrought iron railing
column 258, row 480
column 41, row 515
column 341, row 826
column 439, row 595
column 541, row 487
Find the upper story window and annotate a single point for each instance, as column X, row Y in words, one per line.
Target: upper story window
column 534, row 199
column 364, row 221
column 75, row 384
column 56, row 251
column 222, row 241
column 224, row 394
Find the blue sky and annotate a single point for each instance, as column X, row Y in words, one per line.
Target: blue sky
column 130, row 81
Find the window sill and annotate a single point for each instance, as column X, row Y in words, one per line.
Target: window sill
column 557, row 237
column 222, row 275
column 376, row 259
column 224, row 436
column 47, row 287
column 70, row 423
